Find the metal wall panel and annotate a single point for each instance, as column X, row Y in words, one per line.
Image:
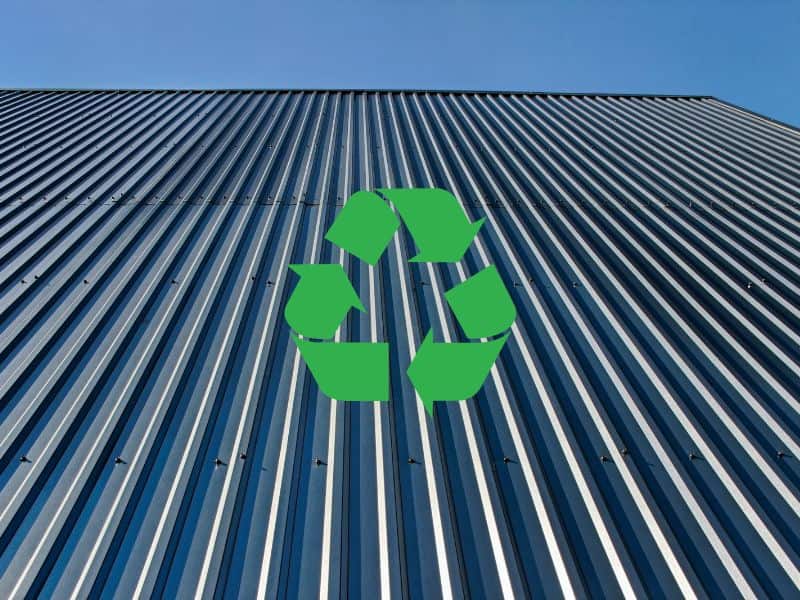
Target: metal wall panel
column 159, row 435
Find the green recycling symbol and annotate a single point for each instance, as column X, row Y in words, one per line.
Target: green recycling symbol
column 359, row 371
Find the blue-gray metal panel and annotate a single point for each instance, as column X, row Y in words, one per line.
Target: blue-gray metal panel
column 639, row 435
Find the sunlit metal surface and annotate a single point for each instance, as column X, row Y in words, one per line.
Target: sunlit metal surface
column 159, row 435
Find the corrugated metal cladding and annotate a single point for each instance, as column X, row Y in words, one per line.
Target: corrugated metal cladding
column 640, row 435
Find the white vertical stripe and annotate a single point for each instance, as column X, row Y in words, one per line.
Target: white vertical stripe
column 538, row 501
column 757, row 457
column 597, row 519
column 476, row 458
column 685, row 492
column 101, row 435
column 425, row 435
column 325, row 559
column 383, row 535
column 235, row 449
column 759, row 526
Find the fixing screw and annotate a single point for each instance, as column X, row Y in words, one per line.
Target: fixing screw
column 24, row 459
column 218, row 462
column 411, row 460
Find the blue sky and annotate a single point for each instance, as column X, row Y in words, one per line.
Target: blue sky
column 746, row 53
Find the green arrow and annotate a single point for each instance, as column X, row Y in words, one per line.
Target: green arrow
column 445, row 372
column 482, row 304
column 353, row 371
column 320, row 300
column 364, row 227
column 436, row 221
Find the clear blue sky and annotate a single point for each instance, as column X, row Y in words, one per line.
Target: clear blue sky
column 746, row 53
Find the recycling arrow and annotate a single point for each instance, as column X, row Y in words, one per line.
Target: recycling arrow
column 482, row 304
column 324, row 295
column 436, row 221
column 318, row 305
column 454, row 371
column 354, row 371
column 321, row 300
column 364, row 227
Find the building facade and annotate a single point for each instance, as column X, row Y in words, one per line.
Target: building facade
column 160, row 436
